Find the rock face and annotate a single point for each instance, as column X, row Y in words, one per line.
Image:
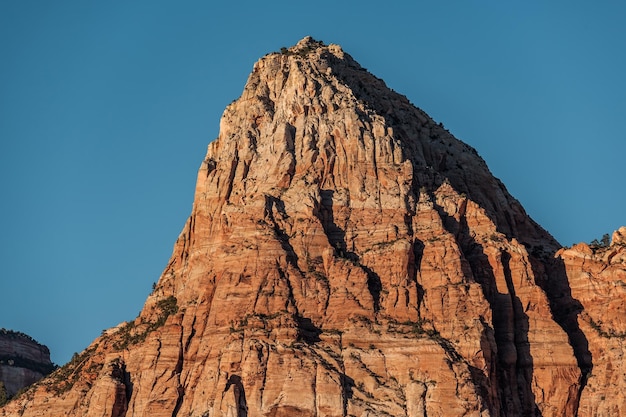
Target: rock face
column 597, row 278
column 347, row 256
column 23, row 361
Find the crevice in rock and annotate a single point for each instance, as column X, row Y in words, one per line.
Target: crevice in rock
column 191, row 334
column 128, row 383
column 155, row 362
column 514, row 369
column 307, row 331
column 239, row 393
column 211, row 165
column 290, row 135
column 374, row 286
column 336, row 238
column 415, row 265
column 335, row 235
column 347, row 391
column 231, row 176
column 123, row 389
column 180, row 390
column 524, row 362
column 272, row 202
column 510, row 323
column 565, row 310
column 290, row 298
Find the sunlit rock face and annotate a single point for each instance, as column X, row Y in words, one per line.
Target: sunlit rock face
column 345, row 256
column 597, row 277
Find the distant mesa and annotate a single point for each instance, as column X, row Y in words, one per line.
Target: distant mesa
column 23, row 361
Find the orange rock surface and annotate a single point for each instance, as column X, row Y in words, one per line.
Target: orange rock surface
column 347, row 256
column 597, row 278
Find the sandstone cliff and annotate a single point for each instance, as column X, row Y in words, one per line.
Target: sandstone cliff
column 23, row 361
column 347, row 256
column 597, row 277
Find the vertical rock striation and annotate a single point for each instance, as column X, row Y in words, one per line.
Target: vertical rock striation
column 345, row 256
column 597, row 278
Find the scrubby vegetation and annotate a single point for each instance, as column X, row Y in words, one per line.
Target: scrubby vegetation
column 303, row 51
column 604, row 242
column 610, row 333
column 17, row 335
column 65, row 377
column 130, row 334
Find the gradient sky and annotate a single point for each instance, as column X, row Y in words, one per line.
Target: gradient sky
column 106, row 109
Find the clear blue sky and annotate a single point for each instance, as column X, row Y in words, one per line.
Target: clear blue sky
column 106, row 109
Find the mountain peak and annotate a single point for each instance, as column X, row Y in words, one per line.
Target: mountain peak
column 345, row 255
column 311, row 80
column 308, row 43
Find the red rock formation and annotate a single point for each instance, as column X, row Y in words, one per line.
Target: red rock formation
column 597, row 277
column 345, row 255
column 23, row 361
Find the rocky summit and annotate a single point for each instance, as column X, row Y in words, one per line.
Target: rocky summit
column 347, row 256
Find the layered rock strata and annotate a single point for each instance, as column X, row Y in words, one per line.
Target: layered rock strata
column 23, row 361
column 345, row 256
column 597, row 279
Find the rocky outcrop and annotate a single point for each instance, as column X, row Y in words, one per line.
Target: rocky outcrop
column 597, row 277
column 345, row 256
column 23, row 361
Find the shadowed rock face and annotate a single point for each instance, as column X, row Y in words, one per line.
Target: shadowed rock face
column 345, row 255
column 23, row 361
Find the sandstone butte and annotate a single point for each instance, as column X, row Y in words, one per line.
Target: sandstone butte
column 347, row 256
column 23, row 361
